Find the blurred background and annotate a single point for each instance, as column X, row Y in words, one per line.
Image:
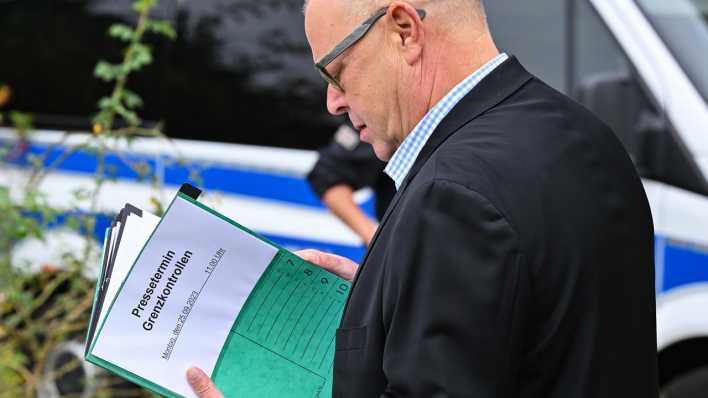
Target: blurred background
column 104, row 102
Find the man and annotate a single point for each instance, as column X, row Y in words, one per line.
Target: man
column 347, row 164
column 515, row 259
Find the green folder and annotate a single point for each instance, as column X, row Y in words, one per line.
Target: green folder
column 197, row 288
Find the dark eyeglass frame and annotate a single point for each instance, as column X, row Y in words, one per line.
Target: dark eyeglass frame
column 349, row 41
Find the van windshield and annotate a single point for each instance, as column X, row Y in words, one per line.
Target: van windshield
column 683, row 26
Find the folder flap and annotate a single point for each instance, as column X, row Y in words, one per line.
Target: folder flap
column 97, row 293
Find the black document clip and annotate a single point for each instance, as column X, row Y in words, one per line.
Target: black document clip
column 190, row 190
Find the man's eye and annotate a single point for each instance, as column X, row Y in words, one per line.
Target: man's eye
column 338, row 71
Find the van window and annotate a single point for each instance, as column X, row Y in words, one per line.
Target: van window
column 604, row 80
column 683, row 26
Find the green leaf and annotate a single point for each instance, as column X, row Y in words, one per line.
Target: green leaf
column 106, row 103
column 73, row 223
column 132, row 100
column 163, row 28
column 121, row 31
column 143, row 169
column 143, row 5
column 101, row 119
column 35, row 161
column 21, row 121
column 12, row 358
column 141, row 56
column 158, row 209
column 106, row 71
column 89, row 223
column 129, row 116
column 81, row 194
column 5, row 195
column 195, row 176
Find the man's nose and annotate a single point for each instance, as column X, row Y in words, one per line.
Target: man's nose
column 336, row 103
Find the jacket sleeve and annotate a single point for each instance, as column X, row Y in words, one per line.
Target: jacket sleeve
column 454, row 302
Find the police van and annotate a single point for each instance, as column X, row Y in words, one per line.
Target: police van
column 238, row 93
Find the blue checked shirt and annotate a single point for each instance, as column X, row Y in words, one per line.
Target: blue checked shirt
column 404, row 157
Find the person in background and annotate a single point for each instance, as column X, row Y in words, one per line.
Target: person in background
column 345, row 165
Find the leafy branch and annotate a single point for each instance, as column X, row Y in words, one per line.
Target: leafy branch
column 123, row 102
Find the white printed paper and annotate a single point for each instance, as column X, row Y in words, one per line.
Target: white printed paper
column 181, row 298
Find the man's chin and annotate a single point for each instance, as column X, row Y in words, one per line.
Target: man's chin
column 383, row 153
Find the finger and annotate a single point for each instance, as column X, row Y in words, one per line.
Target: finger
column 201, row 384
column 338, row 265
column 310, row 255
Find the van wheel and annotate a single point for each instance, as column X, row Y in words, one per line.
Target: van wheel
column 693, row 384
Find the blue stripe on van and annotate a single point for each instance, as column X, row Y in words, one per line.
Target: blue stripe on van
column 683, row 264
column 213, row 177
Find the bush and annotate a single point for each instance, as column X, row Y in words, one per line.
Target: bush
column 45, row 308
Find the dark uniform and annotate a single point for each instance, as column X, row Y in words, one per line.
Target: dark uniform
column 347, row 160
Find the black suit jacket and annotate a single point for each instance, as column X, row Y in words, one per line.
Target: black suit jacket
column 516, row 260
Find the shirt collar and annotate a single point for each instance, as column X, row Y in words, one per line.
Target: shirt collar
column 404, row 157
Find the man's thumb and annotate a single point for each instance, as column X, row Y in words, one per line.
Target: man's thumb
column 201, row 384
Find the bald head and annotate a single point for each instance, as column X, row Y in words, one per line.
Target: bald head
column 453, row 11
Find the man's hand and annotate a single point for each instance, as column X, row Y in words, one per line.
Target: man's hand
column 338, row 265
column 201, row 384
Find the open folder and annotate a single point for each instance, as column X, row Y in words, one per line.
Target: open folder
column 195, row 288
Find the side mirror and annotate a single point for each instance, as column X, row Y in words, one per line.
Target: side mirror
column 616, row 100
column 657, row 153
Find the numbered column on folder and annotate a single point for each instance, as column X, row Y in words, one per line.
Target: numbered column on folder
column 294, row 310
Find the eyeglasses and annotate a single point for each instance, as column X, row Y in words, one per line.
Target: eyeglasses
column 349, row 41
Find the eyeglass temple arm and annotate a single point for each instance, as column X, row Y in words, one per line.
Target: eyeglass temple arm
column 357, row 34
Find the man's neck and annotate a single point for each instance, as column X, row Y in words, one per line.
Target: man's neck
column 450, row 63
column 457, row 63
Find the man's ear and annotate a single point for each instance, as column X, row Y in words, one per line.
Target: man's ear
column 406, row 30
